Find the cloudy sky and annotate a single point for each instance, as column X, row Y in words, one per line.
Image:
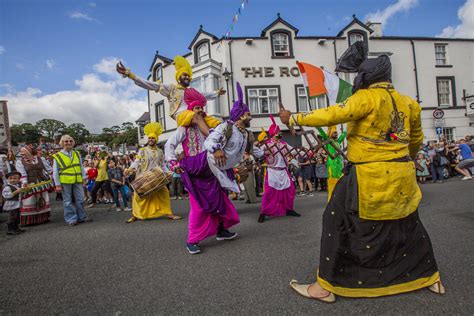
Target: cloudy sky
column 57, row 57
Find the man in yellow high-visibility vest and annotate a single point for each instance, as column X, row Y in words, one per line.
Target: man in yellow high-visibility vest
column 70, row 178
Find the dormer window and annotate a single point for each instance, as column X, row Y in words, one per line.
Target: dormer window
column 356, row 36
column 201, row 51
column 281, row 44
column 158, row 73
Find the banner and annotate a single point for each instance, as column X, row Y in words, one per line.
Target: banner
column 5, row 137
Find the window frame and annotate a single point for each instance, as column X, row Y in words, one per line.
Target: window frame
column 247, row 97
column 159, row 67
column 157, row 118
column 290, row 44
column 451, row 79
column 453, row 134
column 196, row 50
column 360, row 32
column 446, row 55
column 308, row 100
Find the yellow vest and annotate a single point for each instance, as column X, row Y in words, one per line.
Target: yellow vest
column 69, row 169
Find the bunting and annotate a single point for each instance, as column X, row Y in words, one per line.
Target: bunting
column 235, row 19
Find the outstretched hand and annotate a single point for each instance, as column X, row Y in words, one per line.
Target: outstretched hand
column 121, row 68
column 221, row 91
column 284, row 116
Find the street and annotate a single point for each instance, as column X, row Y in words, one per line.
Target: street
column 108, row 267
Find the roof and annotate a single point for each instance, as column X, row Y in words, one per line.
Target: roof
column 201, row 31
column 355, row 21
column 279, row 20
column 163, row 58
column 144, row 118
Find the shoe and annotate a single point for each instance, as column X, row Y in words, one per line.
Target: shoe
column 311, row 194
column 466, row 178
column 261, row 218
column 128, row 209
column 118, row 209
column 302, row 194
column 180, row 197
column 131, row 220
column 439, row 181
column 85, row 220
column 226, row 235
column 292, row 213
column 193, row 248
column 72, row 224
column 90, row 205
column 173, row 198
column 21, row 231
column 174, row 217
column 437, row 288
column 13, row 232
column 302, row 289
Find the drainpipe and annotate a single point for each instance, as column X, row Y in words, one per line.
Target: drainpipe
column 232, row 72
column 415, row 69
column 335, row 53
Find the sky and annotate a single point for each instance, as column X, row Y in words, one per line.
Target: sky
column 57, row 57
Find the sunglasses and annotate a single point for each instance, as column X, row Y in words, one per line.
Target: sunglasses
column 68, row 141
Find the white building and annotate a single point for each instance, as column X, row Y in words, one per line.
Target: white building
column 437, row 72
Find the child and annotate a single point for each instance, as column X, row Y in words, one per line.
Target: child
column 118, row 184
column 321, row 174
column 421, row 159
column 11, row 194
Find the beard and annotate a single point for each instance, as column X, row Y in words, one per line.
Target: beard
column 185, row 82
column 247, row 123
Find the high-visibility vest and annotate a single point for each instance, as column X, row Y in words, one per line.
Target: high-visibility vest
column 69, row 169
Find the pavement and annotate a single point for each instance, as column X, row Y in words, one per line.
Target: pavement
column 111, row 268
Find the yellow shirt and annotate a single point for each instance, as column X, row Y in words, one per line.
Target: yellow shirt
column 387, row 190
column 102, row 170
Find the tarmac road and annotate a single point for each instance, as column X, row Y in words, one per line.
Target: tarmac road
column 110, row 268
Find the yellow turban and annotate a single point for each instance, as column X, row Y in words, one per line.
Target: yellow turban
column 262, row 135
column 332, row 129
column 182, row 67
column 153, row 129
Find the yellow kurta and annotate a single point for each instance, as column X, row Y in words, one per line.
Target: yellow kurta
column 158, row 203
column 387, row 190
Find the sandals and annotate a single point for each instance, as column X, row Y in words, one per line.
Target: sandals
column 174, row 217
column 131, row 220
column 302, row 289
column 437, row 288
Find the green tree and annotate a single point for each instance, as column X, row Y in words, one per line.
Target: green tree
column 77, row 131
column 50, row 127
column 126, row 126
column 25, row 133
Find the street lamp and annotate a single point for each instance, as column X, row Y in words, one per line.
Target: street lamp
column 227, row 74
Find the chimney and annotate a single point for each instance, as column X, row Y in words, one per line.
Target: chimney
column 377, row 27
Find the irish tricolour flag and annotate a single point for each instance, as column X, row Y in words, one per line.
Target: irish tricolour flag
column 319, row 81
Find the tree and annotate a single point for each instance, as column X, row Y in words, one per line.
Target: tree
column 25, row 133
column 127, row 126
column 50, row 127
column 77, row 131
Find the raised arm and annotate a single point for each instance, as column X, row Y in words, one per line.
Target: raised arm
column 143, row 83
column 173, row 142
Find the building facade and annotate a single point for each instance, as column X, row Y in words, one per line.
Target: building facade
column 437, row 72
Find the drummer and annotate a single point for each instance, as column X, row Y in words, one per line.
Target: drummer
column 155, row 204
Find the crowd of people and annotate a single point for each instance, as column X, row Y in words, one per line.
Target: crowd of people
column 369, row 205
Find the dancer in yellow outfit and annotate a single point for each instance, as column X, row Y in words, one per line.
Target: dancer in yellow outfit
column 373, row 241
column 156, row 204
column 175, row 92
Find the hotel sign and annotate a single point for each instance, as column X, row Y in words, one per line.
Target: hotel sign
column 268, row 72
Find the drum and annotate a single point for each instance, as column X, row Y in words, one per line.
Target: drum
column 150, row 181
column 242, row 172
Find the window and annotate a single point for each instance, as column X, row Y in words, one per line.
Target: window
column 440, row 54
column 280, row 44
column 446, row 91
column 318, row 102
column 202, row 52
column 263, row 100
column 158, row 73
column 205, row 84
column 448, row 133
column 160, row 113
column 356, row 36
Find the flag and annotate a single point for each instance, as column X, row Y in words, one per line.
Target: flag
column 319, row 81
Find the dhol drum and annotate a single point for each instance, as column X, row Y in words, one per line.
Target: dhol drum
column 242, row 171
column 150, row 181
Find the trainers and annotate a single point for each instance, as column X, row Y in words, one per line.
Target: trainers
column 292, row 213
column 85, row 220
column 173, row 198
column 466, row 178
column 128, row 209
column 13, row 232
column 261, row 218
column 226, row 235
column 72, row 224
column 311, row 193
column 118, row 209
column 21, row 231
column 193, row 248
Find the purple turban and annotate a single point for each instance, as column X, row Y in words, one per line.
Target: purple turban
column 239, row 107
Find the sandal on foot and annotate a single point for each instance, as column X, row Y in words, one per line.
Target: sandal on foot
column 174, row 217
column 437, row 288
column 131, row 220
column 302, row 289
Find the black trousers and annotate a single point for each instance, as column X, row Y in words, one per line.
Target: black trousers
column 105, row 185
column 13, row 221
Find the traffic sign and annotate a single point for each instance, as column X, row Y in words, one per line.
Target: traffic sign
column 438, row 114
column 439, row 131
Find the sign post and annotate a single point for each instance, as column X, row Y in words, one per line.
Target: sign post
column 5, row 136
